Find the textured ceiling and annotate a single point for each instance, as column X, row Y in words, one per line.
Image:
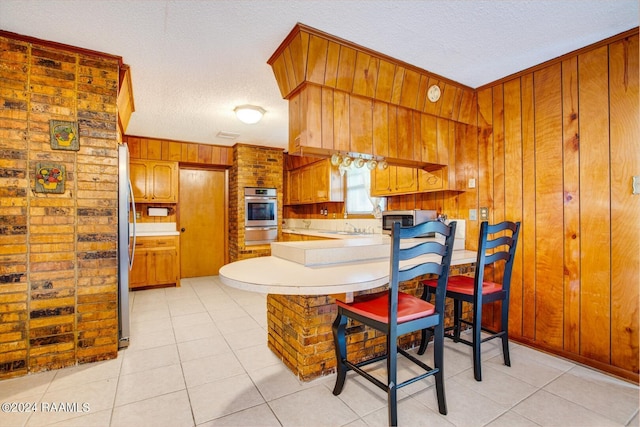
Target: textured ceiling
column 192, row 62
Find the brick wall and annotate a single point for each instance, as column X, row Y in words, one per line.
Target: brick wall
column 58, row 258
column 253, row 166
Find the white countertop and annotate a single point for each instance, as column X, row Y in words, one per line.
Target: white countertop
column 273, row 275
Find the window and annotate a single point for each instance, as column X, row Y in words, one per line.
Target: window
column 359, row 200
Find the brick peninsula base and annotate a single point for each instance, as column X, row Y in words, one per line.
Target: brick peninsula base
column 300, row 330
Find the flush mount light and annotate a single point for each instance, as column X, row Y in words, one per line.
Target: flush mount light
column 249, row 114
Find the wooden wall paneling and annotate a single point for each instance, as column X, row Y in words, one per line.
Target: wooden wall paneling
column 154, row 149
column 447, row 100
column 333, row 58
column 405, row 133
column 280, row 72
column 571, row 212
column 513, row 193
column 311, row 111
column 393, row 131
column 134, row 147
column 549, row 203
column 298, row 49
column 486, row 175
column 409, row 90
column 289, row 66
column 380, row 128
column 204, row 153
column 295, row 121
column 429, row 138
column 466, row 164
column 625, row 207
column 341, row 121
column 192, row 153
column 174, row 151
column 386, row 77
column 528, row 227
column 422, row 93
column 360, row 124
column 497, row 191
column 467, row 112
column 396, row 90
column 416, row 142
column 327, row 118
column 595, row 215
column 164, row 149
column 346, row 69
column 317, row 59
column 366, row 75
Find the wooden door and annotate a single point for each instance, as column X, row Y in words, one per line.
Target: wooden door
column 203, row 248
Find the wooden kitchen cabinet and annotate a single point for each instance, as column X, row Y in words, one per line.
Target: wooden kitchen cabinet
column 432, row 181
column 156, row 262
column 316, row 182
column 154, row 181
column 394, row 180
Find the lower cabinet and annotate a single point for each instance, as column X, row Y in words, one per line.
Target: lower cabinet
column 156, row 262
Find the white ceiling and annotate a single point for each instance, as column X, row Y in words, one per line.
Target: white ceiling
column 192, row 62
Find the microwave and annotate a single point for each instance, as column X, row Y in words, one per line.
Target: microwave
column 407, row 218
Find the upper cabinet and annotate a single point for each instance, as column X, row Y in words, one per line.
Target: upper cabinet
column 347, row 98
column 154, row 181
column 397, row 180
column 316, row 182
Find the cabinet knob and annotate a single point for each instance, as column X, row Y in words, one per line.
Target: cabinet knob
column 183, row 229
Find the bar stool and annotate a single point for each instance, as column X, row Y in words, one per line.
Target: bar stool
column 501, row 241
column 397, row 313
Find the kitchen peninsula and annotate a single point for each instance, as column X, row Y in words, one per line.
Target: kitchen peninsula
column 303, row 280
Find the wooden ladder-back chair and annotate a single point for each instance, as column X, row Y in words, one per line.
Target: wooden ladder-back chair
column 397, row 313
column 496, row 245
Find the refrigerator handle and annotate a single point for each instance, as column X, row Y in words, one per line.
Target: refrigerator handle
column 133, row 205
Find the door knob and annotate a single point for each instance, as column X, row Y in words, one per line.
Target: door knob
column 183, row 229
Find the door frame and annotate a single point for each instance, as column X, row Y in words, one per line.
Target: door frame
column 192, row 166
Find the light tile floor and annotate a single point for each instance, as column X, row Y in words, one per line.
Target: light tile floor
column 198, row 357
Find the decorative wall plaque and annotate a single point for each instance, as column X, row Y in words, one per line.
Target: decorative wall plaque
column 64, row 135
column 50, row 178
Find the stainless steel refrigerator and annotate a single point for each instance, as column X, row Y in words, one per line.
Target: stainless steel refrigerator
column 126, row 243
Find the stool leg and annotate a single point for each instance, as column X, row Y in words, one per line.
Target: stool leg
column 477, row 326
column 438, row 362
column 426, row 333
column 340, row 345
column 505, row 329
column 457, row 313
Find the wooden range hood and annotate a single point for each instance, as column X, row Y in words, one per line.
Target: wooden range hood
column 349, row 99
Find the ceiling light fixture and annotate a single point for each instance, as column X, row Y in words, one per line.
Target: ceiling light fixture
column 249, row 114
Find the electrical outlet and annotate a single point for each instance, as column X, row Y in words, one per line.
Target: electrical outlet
column 484, row 214
column 635, row 185
column 473, row 214
column 138, row 216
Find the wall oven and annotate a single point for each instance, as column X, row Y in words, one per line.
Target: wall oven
column 260, row 215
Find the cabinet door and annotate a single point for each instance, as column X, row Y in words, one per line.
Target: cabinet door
column 319, row 181
column 139, row 274
column 164, row 182
column 308, row 188
column 405, row 180
column 381, row 182
column 294, row 186
column 431, row 181
column 138, row 173
column 164, row 262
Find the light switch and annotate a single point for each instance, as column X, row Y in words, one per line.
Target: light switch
column 472, row 183
column 473, row 214
column 635, row 185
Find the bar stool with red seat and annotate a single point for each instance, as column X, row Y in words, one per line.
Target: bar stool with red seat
column 496, row 245
column 397, row 313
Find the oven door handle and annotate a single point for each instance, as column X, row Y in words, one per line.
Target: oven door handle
column 267, row 199
column 262, row 228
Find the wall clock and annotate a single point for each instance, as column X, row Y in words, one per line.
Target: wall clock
column 433, row 93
